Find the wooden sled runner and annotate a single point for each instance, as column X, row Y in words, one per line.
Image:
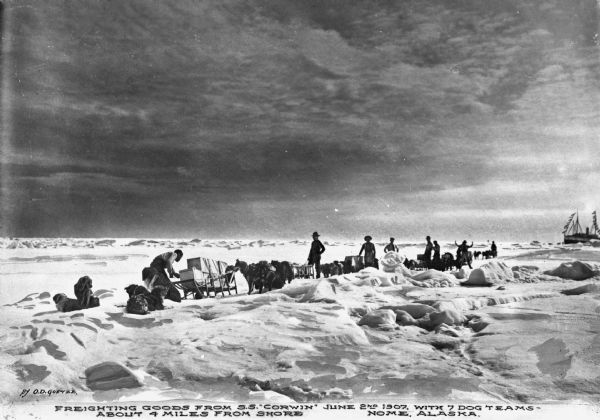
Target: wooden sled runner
column 303, row 271
column 205, row 276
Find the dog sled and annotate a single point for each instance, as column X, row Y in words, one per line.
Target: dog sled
column 303, row 271
column 353, row 264
column 420, row 264
column 205, row 276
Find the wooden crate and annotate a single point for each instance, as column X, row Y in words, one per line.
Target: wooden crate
column 353, row 264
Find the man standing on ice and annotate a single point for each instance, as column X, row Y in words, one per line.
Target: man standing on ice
column 369, row 249
column 314, row 256
column 462, row 253
column 164, row 262
column 391, row 246
column 494, row 250
column 436, row 251
column 428, row 251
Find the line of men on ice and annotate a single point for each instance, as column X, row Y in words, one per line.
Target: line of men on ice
column 158, row 286
column 431, row 258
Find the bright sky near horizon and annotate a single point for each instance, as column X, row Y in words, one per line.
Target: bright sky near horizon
column 274, row 118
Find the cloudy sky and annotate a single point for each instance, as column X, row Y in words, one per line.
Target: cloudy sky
column 274, row 118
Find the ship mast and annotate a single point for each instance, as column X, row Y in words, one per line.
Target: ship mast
column 568, row 225
column 576, row 226
column 573, row 228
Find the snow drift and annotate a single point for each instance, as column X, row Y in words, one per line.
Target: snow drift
column 391, row 261
column 491, row 273
column 575, row 270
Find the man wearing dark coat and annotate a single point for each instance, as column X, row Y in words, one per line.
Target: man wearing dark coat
column 428, row 250
column 463, row 249
column 314, row 256
column 436, row 251
column 494, row 249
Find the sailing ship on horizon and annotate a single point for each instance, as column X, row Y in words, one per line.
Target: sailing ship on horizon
column 574, row 233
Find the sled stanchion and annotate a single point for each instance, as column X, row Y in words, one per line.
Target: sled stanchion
column 205, row 276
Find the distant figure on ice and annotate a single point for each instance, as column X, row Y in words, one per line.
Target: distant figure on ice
column 428, row 251
column 164, row 262
column 314, row 256
column 494, row 249
column 391, row 246
column 436, row 251
column 462, row 253
column 369, row 248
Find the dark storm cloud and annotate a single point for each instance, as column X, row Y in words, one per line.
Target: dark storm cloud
column 211, row 110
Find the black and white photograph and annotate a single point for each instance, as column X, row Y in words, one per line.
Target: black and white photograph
column 300, row 208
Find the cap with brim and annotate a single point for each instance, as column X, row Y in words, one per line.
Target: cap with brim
column 368, row 238
column 316, row 234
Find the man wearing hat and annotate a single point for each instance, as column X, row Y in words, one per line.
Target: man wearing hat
column 391, row 246
column 369, row 249
column 314, row 257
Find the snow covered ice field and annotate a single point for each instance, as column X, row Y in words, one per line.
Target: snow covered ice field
column 356, row 338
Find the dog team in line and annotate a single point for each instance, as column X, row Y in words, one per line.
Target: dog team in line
column 158, row 286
